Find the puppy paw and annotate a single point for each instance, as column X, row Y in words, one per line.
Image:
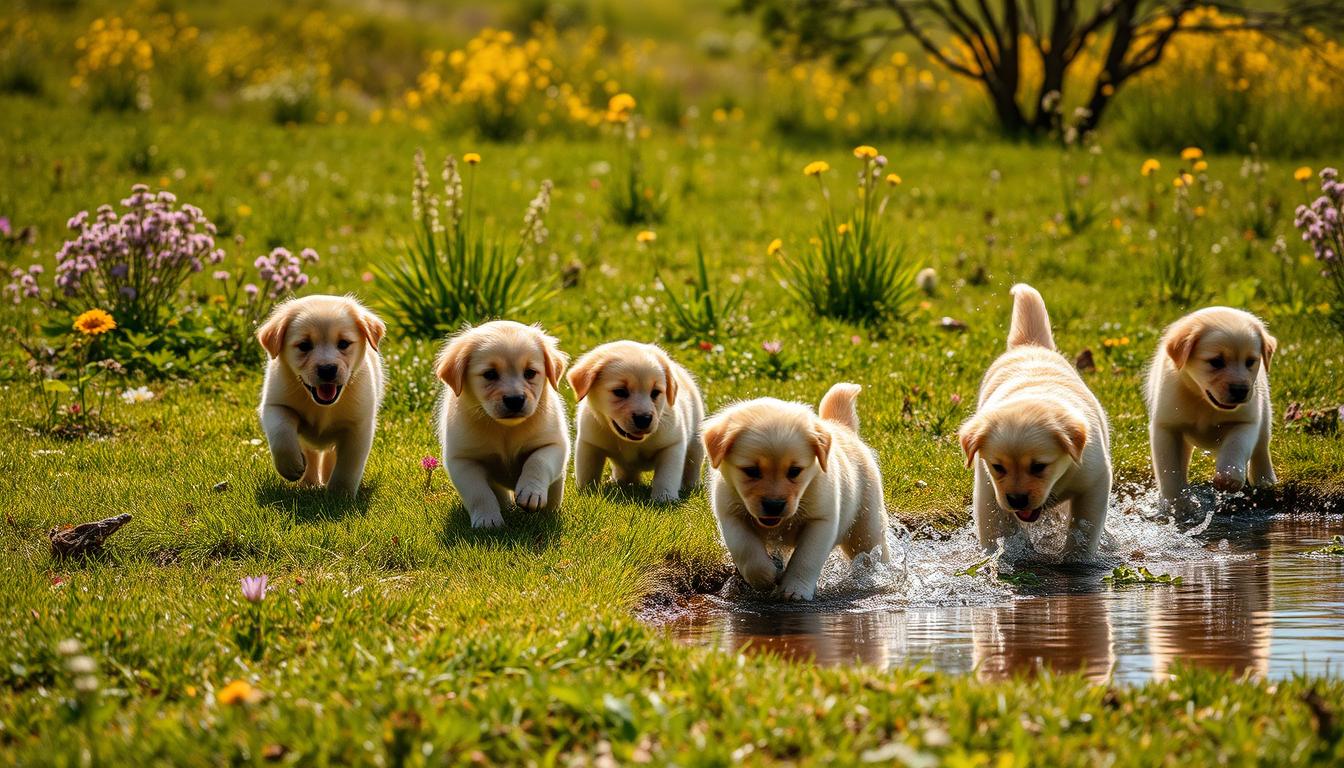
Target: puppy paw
column 1229, row 480
column 665, row 496
column 490, row 518
column 759, row 575
column 292, row 467
column 530, row 497
column 796, row 591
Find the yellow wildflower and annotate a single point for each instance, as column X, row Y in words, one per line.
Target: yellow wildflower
column 774, row 247
column 894, row 179
column 94, row 322
column 238, row 692
column 244, row 210
column 621, row 102
column 1184, row 180
column 1191, row 153
column 471, row 158
column 646, row 236
column 865, row 152
column 1149, row 167
column 816, row 168
column 1200, row 166
column 843, row 229
column 1199, row 211
column 1302, row 174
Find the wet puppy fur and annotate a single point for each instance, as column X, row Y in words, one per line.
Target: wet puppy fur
column 641, row 411
column 322, row 391
column 501, row 421
column 1039, row 437
column 790, row 478
column 1208, row 387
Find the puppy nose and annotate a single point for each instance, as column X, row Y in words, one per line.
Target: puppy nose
column 642, row 420
column 514, row 402
column 1238, row 392
column 326, row 372
column 772, row 507
column 1017, row 500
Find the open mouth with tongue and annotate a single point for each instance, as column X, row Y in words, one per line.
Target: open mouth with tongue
column 325, row 393
column 1029, row 515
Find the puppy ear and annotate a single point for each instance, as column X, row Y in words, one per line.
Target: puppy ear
column 1182, row 341
column 669, row 378
column 451, row 365
column 554, row 359
column 584, row 374
column 718, row 437
column 821, row 443
column 271, row 334
column 371, row 326
column 1268, row 346
column 972, row 436
column 1072, row 434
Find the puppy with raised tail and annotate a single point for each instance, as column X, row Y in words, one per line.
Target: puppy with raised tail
column 501, row 420
column 641, row 411
column 788, row 477
column 323, row 387
column 1208, row 386
column 1038, row 438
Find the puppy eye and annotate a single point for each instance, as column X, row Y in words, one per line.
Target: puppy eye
column 621, row 392
column 753, row 472
column 1217, row 363
column 654, row 394
column 794, row 472
column 1037, row 467
column 1250, row 362
column 529, row 374
column 491, row 375
column 305, row 346
column 998, row 469
column 343, row 344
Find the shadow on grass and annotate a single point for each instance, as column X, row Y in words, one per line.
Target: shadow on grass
column 532, row 531
column 311, row 505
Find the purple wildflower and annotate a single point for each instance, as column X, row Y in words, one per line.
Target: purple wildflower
column 254, row 588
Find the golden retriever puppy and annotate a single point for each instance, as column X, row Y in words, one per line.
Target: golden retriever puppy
column 641, row 411
column 786, row 477
column 323, row 387
column 501, row 420
column 1038, row 438
column 1208, row 386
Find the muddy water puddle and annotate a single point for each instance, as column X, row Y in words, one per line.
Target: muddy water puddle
column 1252, row 599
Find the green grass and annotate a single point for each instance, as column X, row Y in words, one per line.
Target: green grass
column 393, row 625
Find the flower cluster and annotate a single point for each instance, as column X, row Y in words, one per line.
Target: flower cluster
column 281, row 272
column 1322, row 222
column 24, row 283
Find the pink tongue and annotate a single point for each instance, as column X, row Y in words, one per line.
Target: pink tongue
column 326, row 392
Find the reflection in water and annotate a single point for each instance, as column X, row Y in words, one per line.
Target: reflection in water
column 1254, row 605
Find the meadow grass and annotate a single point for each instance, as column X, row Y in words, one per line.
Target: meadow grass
column 397, row 635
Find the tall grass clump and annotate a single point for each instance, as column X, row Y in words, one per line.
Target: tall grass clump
column 855, row 270
column 453, row 273
column 1180, row 272
column 635, row 198
column 702, row 311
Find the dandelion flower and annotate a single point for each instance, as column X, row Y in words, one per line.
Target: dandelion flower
column 1149, row 167
column 1200, row 166
column 244, row 210
column 843, row 229
column 772, row 347
column 137, row 395
column 94, row 322
column 238, row 692
column 471, row 158
column 774, row 247
column 646, row 236
column 1302, row 174
column 254, row 588
column 927, row 280
column 621, row 102
column 865, row 152
column 1191, row 153
column 894, row 179
column 816, row 168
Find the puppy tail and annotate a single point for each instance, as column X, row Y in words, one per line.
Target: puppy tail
column 838, row 405
column 1031, row 323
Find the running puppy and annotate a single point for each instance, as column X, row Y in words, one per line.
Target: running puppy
column 1040, row 435
column 788, row 477
column 323, row 387
column 501, row 421
column 1208, row 386
column 643, row 412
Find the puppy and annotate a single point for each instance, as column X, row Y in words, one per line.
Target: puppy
column 1040, row 437
column 786, row 477
column 501, row 420
column 323, row 387
column 642, row 411
column 1208, row 386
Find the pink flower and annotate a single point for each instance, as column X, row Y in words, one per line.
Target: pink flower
column 429, row 463
column 956, row 399
column 254, row 588
column 772, row 347
column 856, row 340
